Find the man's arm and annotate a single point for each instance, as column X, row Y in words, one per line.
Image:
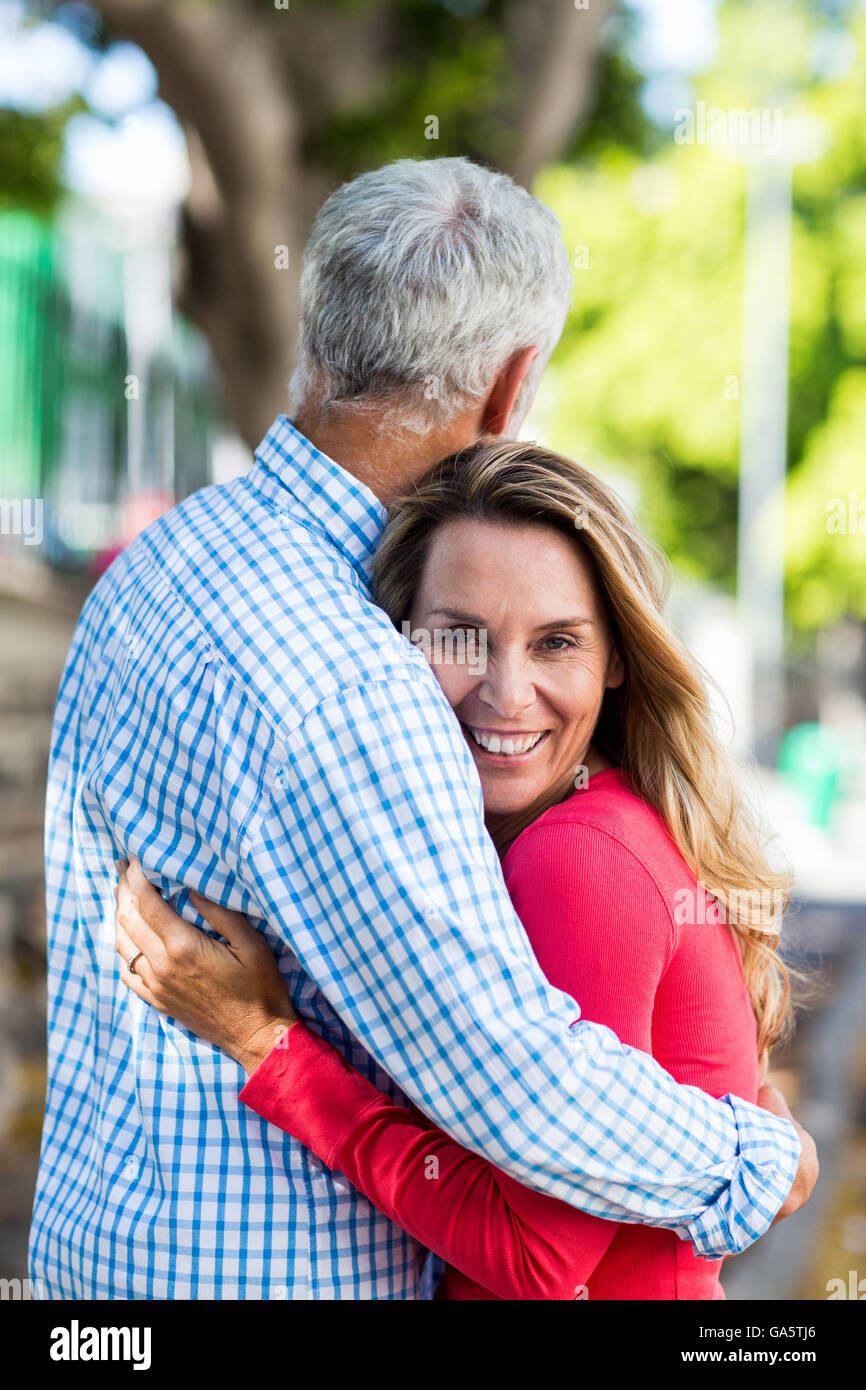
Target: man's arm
column 367, row 852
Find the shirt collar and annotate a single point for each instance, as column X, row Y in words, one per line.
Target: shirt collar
column 345, row 509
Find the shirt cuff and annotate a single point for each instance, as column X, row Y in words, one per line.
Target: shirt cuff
column 765, row 1165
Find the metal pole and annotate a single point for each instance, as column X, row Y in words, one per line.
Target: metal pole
column 763, row 438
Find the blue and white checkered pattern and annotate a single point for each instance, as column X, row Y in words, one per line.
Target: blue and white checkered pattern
column 236, row 712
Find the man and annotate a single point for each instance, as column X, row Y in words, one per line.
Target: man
column 237, row 713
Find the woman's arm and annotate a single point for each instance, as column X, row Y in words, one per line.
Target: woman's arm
column 517, row 1243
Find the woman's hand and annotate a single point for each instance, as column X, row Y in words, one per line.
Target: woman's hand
column 229, row 992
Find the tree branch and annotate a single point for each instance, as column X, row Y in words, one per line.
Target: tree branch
column 217, row 70
column 220, row 72
column 554, row 47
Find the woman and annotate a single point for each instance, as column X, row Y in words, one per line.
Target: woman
column 628, row 856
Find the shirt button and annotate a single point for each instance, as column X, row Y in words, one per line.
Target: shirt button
column 281, row 777
column 131, row 1168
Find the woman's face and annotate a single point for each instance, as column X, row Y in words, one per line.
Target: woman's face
column 528, row 591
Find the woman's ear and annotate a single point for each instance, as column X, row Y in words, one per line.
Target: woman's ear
column 615, row 670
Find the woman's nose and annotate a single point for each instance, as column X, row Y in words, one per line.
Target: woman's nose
column 508, row 687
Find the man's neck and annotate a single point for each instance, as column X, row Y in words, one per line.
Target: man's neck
column 385, row 460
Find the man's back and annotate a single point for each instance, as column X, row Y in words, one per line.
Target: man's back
column 154, row 1181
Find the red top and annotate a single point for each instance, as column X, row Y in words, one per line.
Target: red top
column 618, row 921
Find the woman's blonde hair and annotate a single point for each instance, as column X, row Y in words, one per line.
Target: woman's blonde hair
column 657, row 726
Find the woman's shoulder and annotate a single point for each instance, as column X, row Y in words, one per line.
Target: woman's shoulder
column 607, row 812
column 606, row 805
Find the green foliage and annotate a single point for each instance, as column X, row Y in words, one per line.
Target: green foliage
column 462, row 90
column 647, row 374
column 827, row 511
column 452, row 62
column 647, row 379
column 449, row 62
column 617, row 117
column 31, row 148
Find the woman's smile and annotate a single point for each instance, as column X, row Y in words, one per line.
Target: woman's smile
column 504, row 746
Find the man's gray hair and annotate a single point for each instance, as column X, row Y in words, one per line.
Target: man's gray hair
column 420, row 281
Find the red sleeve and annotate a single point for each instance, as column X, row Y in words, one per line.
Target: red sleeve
column 517, row 1243
column 575, row 890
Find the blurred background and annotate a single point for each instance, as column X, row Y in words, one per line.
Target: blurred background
column 160, row 165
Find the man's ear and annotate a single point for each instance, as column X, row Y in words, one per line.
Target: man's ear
column 504, row 392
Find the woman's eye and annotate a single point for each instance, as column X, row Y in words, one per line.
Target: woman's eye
column 559, row 644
